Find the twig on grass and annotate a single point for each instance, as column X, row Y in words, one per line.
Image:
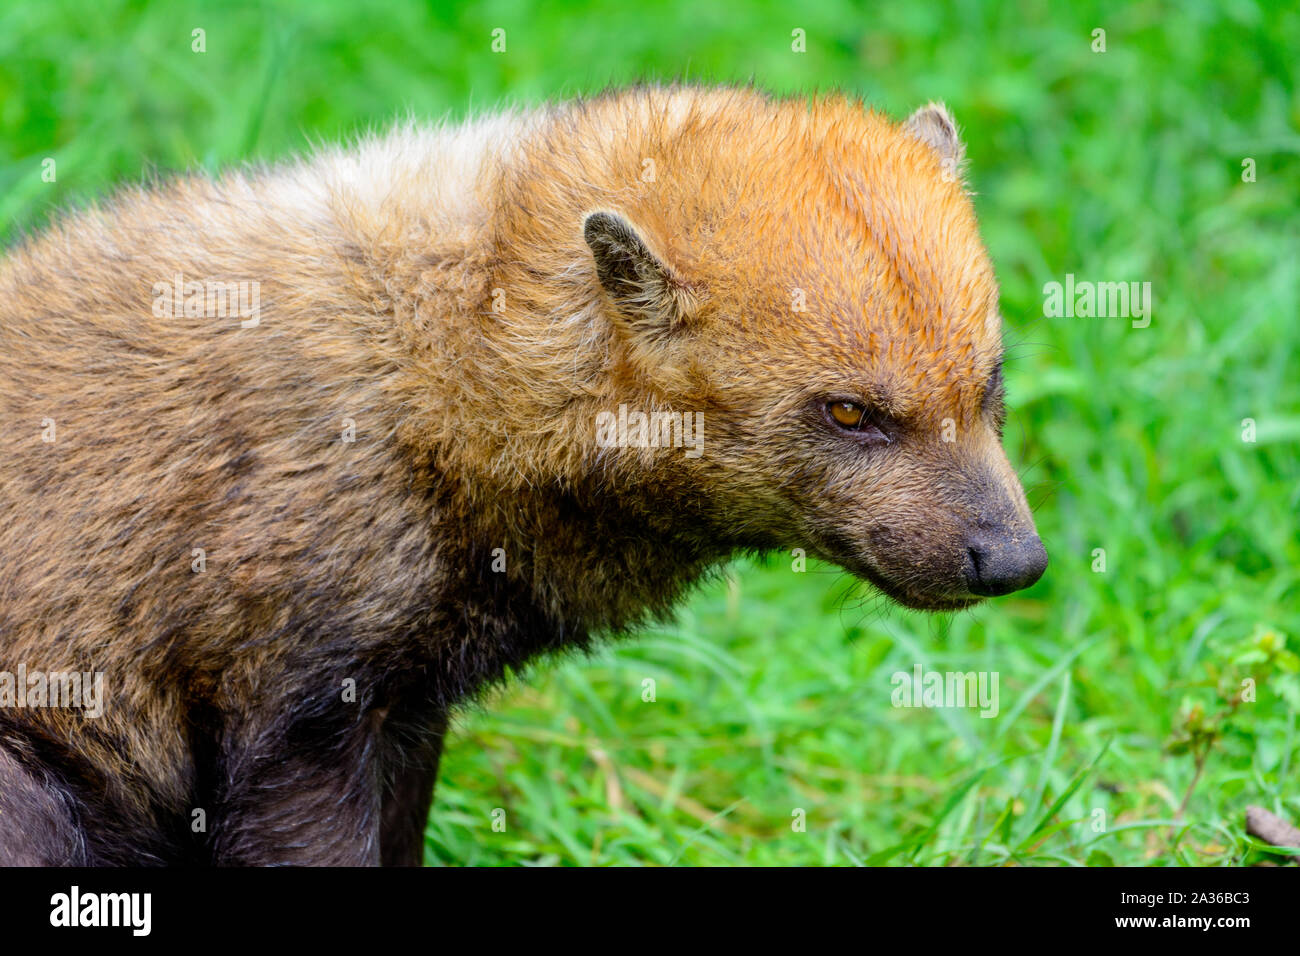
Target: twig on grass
column 1272, row 829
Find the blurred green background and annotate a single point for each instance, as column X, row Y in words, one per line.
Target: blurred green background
column 773, row 688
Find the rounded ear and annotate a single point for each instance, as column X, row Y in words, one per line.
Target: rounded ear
column 649, row 295
column 933, row 125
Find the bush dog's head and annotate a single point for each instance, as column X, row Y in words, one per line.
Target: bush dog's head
column 810, row 277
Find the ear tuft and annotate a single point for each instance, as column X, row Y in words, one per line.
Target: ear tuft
column 933, row 125
column 650, row 296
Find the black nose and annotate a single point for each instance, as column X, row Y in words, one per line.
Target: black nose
column 1004, row 563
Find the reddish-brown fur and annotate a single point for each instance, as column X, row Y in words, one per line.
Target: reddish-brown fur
column 472, row 329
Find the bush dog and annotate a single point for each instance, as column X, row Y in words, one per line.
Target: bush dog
column 296, row 458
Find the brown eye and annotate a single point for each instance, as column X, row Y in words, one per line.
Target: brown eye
column 854, row 421
column 848, row 414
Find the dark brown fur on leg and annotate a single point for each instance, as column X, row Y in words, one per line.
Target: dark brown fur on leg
column 289, row 801
column 408, row 794
column 38, row 826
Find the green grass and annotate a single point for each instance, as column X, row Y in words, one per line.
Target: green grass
column 773, row 688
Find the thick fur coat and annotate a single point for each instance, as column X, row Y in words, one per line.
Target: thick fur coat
column 291, row 541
